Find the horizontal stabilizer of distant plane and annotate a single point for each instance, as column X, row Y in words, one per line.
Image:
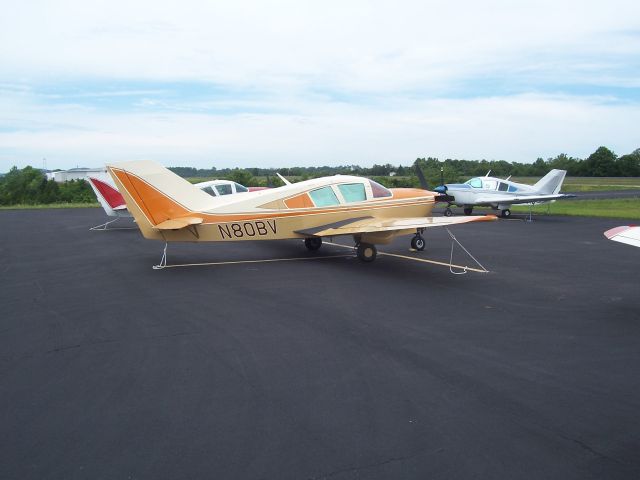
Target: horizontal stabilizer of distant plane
column 629, row 234
column 486, row 200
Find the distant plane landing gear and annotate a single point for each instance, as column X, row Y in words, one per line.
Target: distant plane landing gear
column 417, row 242
column 313, row 243
column 366, row 252
column 468, row 210
column 506, row 213
column 448, row 212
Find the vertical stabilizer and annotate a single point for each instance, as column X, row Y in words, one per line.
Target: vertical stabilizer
column 155, row 194
column 551, row 183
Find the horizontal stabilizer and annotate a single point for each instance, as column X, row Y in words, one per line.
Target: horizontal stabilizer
column 178, row 223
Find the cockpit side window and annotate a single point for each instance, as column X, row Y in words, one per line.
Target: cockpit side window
column 324, row 197
column 503, row 187
column 475, row 183
column 224, row 189
column 379, row 191
column 353, row 192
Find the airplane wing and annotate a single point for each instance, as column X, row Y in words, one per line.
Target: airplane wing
column 372, row 225
column 625, row 234
column 514, row 199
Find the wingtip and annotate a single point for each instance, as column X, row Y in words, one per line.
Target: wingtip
column 612, row 232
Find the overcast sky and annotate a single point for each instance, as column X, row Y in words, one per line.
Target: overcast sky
column 284, row 83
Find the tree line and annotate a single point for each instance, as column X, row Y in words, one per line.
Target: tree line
column 30, row 185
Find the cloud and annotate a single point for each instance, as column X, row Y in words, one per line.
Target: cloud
column 290, row 82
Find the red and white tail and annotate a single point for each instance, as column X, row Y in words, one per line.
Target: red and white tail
column 109, row 197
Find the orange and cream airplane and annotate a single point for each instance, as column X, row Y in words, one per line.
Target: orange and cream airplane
column 167, row 207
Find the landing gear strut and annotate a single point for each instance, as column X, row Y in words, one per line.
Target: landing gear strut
column 313, row 243
column 366, row 252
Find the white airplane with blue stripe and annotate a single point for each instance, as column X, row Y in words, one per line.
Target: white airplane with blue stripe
column 500, row 194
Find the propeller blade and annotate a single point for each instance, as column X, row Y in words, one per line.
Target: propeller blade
column 423, row 181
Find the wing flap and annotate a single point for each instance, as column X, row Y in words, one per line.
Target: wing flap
column 390, row 224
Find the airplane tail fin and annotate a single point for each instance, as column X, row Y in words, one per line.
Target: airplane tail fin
column 551, row 183
column 155, row 195
column 108, row 196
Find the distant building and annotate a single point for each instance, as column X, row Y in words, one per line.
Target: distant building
column 78, row 174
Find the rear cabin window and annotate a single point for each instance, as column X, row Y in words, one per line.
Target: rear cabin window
column 353, row 192
column 324, row 197
column 240, row 188
column 503, row 187
column 512, row 188
column 224, row 189
column 210, row 191
column 379, row 191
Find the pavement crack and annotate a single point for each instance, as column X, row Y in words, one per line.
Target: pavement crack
column 373, row 465
column 591, row 449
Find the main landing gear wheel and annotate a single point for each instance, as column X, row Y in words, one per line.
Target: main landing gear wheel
column 366, row 252
column 506, row 213
column 468, row 210
column 448, row 212
column 418, row 243
column 313, row 243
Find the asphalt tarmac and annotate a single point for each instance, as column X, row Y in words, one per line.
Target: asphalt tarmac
column 319, row 367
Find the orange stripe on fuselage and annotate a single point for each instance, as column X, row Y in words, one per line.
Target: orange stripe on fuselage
column 299, row 201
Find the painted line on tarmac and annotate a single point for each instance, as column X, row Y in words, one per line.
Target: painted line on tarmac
column 239, row 262
column 423, row 260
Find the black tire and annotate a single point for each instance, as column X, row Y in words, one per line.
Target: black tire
column 366, row 252
column 418, row 243
column 448, row 212
column 506, row 213
column 468, row 210
column 313, row 243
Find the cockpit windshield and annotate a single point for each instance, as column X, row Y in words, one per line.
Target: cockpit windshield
column 474, row 182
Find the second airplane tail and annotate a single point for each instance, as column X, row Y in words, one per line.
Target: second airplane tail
column 551, row 183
